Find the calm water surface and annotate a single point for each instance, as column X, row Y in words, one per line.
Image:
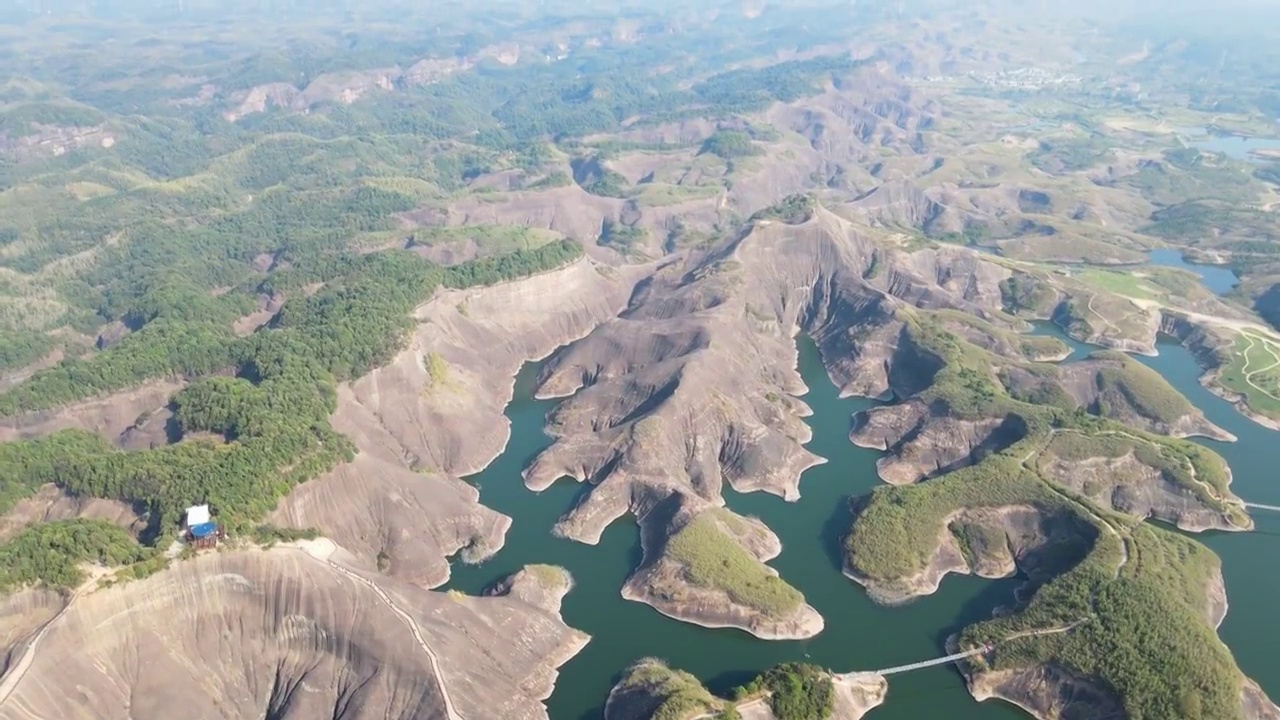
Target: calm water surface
column 1237, row 147
column 859, row 635
column 1217, row 278
column 1250, row 561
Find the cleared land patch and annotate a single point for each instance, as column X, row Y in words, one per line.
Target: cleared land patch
column 1253, row 371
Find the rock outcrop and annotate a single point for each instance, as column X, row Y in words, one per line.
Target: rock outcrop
column 649, row 685
column 921, row 440
column 1133, row 487
column 285, row 634
column 402, row 523
column 112, row 416
column 990, row 542
column 51, row 503
column 666, row 580
column 1049, row 691
column 435, row 413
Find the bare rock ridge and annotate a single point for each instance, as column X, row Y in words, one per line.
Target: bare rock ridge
column 284, row 634
column 693, row 384
column 921, row 441
column 435, row 413
column 1048, row 691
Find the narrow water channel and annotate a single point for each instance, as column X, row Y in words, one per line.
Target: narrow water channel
column 859, row 635
column 1249, row 560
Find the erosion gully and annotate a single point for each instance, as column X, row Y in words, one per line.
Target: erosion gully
column 859, row 635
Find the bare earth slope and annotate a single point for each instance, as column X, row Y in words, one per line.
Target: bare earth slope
column 694, row 384
column 398, row 504
column 284, row 634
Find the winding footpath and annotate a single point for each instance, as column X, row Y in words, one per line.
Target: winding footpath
column 19, row 669
column 323, row 551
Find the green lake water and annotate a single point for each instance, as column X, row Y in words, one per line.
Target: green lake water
column 1217, row 278
column 859, row 635
column 1236, row 146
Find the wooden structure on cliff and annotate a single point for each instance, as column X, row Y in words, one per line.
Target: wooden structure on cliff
column 199, row 529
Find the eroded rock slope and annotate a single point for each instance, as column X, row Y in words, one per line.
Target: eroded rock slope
column 284, row 634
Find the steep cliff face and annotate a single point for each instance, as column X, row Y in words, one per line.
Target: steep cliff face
column 284, row 634
column 1049, row 691
column 438, row 405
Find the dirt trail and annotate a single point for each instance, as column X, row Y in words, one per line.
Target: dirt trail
column 1269, row 348
column 1229, row 323
column 747, row 709
column 19, row 669
column 324, row 549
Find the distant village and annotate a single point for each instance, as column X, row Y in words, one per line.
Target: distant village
column 1020, row 79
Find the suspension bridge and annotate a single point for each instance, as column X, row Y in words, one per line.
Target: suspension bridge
column 936, row 661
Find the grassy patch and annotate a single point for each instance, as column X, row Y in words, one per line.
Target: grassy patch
column 551, row 577
column 489, row 239
column 712, row 559
column 1129, row 381
column 1120, row 283
column 1252, row 371
column 437, row 370
column 676, row 694
column 1034, row 347
column 662, row 194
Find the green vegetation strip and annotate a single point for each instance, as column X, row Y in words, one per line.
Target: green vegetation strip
column 273, row 414
column 678, row 695
column 1114, row 599
column 713, row 559
column 797, row 691
column 50, row 553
